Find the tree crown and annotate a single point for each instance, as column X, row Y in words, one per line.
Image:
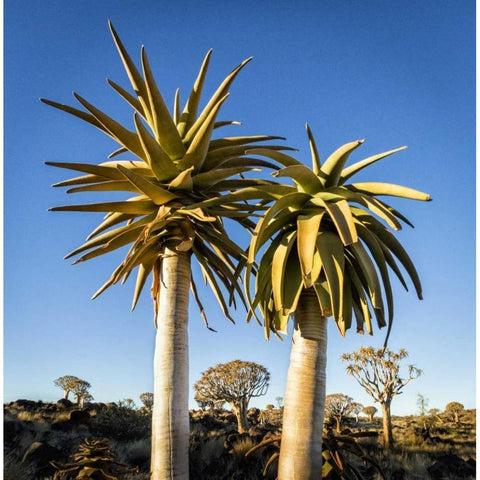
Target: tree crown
column 454, row 407
column 378, row 371
column 231, row 382
column 172, row 167
column 328, row 235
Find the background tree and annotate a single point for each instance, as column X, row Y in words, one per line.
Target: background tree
column 236, row 383
column 171, row 167
column 356, row 409
column 338, row 406
column 85, row 398
column 422, row 404
column 434, row 411
column 81, row 392
column 269, row 406
column 279, row 401
column 66, row 383
column 378, row 372
column 147, row 400
column 454, row 409
column 370, row 411
column 328, row 254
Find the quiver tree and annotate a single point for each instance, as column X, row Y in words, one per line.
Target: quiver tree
column 356, row 409
column 81, row 392
column 170, row 167
column 66, row 383
column 454, row 409
column 422, row 404
column 327, row 251
column 236, row 383
column 338, row 406
column 378, row 372
column 370, row 412
column 147, row 400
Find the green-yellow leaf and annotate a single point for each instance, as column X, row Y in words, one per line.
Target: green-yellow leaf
column 158, row 194
column 164, row 127
column 307, row 231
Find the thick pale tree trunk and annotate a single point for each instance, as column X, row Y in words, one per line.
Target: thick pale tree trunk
column 240, row 410
column 338, row 422
column 387, row 426
column 170, row 421
column 65, row 394
column 304, row 408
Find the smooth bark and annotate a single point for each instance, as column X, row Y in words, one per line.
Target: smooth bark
column 387, row 426
column 240, row 411
column 170, row 421
column 304, row 408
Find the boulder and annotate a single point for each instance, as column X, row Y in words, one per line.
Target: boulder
column 24, row 404
column 13, row 431
column 253, row 415
column 39, row 455
column 64, row 404
column 79, row 416
column 451, row 466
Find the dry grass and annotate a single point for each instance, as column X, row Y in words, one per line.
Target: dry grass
column 13, row 469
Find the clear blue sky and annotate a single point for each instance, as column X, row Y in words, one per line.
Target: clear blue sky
column 394, row 73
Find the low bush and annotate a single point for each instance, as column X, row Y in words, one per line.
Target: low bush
column 121, row 422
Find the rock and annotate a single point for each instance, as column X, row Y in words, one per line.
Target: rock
column 253, row 414
column 13, row 431
column 451, row 466
column 51, row 408
column 24, row 404
column 79, row 416
column 62, row 425
column 64, row 404
column 39, row 455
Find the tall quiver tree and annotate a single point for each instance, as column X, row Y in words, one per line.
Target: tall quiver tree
column 66, row 383
column 236, row 383
column 171, row 166
column 330, row 255
column 378, row 372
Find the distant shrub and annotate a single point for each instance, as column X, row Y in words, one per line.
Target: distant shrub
column 121, row 422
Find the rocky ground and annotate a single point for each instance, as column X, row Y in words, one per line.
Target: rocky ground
column 36, row 433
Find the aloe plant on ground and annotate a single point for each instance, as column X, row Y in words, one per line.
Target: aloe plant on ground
column 171, row 166
column 330, row 253
column 94, row 460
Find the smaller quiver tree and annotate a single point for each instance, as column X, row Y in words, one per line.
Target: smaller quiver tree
column 454, row 409
column 147, row 400
column 81, row 392
column 370, row 411
column 356, row 409
column 378, row 372
column 236, row 383
column 66, row 383
column 338, row 406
